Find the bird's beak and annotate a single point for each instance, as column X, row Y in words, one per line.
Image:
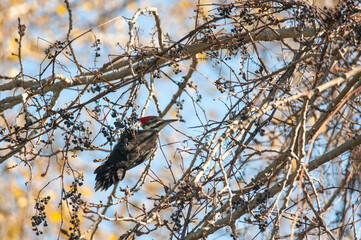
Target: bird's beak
column 167, row 121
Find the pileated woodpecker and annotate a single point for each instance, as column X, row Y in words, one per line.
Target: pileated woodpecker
column 133, row 148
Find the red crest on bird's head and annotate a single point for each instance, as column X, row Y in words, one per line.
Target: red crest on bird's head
column 144, row 119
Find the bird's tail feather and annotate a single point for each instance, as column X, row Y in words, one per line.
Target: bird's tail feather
column 107, row 174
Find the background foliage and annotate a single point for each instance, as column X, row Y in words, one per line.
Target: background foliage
column 267, row 94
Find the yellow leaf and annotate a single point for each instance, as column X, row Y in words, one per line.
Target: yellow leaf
column 22, row 201
column 292, row 119
column 61, row 9
column 88, row 6
column 13, row 2
column 132, row 6
column 55, row 216
column 114, row 237
column 18, row 192
column 201, row 56
column 323, row 129
column 87, row 191
column 185, row 5
column 312, row 120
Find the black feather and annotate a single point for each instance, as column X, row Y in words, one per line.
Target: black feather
column 132, row 149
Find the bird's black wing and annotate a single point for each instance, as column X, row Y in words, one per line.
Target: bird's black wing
column 133, row 148
column 142, row 147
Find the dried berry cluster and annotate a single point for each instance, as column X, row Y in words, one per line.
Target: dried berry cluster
column 54, row 49
column 74, row 197
column 184, row 196
column 76, row 133
column 344, row 16
column 96, row 46
column 225, row 10
column 177, row 216
column 40, row 216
